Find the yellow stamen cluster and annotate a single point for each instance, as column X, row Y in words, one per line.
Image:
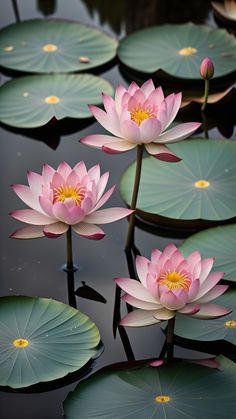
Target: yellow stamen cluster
column 20, row 343
column 64, row 192
column 50, row 48
column 52, row 100
column 230, row 323
column 175, row 280
column 202, row 183
column 162, row 399
column 138, row 115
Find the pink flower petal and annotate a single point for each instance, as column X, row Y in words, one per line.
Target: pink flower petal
column 150, row 129
column 64, row 169
column 190, row 309
column 108, row 103
column 119, row 147
column 171, row 301
column 130, row 131
column 135, row 289
column 162, row 152
column 102, row 185
column 139, row 97
column 178, row 133
column 206, row 267
column 94, row 173
column 193, row 289
column 89, row 231
column 104, row 198
column 35, row 182
column 215, row 292
column 28, row 232
column 107, row 215
column 142, row 264
column 110, row 124
column 57, row 181
column 80, row 169
column 156, row 97
column 87, row 205
column 47, row 173
column 30, row 216
column 155, row 255
column 193, row 259
column 99, row 140
column 211, row 311
column 132, row 88
column 72, row 179
column 140, row 303
column 164, row 314
column 55, row 230
column 46, row 205
column 138, row 318
column 66, row 215
column 175, row 108
column 156, row 363
column 27, row 196
column 212, row 279
column 120, row 91
column 148, row 87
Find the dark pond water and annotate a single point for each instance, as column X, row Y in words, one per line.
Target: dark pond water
column 33, row 267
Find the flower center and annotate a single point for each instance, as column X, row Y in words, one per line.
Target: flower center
column 64, row 192
column 51, row 100
column 174, row 280
column 230, row 323
column 202, row 183
column 138, row 115
column 20, row 343
column 187, row 51
column 50, row 48
column 162, row 399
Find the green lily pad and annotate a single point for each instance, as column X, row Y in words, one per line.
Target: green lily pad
column 51, row 46
column 200, row 187
column 178, row 50
column 32, row 101
column 219, row 242
column 42, row 339
column 211, row 330
column 174, row 391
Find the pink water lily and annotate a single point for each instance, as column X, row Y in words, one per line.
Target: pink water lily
column 170, row 284
column 140, row 116
column 65, row 197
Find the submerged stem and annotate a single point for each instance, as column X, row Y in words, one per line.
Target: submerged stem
column 130, row 234
column 69, row 263
column 170, row 339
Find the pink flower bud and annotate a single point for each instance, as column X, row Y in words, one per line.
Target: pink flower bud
column 207, row 69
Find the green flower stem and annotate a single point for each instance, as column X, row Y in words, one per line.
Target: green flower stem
column 205, row 127
column 69, row 263
column 206, row 93
column 130, row 234
column 170, row 339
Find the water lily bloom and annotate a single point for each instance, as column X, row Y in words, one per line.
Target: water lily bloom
column 171, row 284
column 65, row 197
column 140, row 116
column 207, row 69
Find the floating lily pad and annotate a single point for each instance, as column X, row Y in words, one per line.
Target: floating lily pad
column 211, row 330
column 219, row 242
column 200, row 187
column 178, row 50
column 50, row 46
column 32, row 101
column 175, row 391
column 42, row 339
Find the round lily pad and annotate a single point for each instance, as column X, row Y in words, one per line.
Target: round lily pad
column 200, row 187
column 42, row 339
column 174, row 391
column 219, row 242
column 32, row 101
column 211, row 330
column 178, row 50
column 51, row 46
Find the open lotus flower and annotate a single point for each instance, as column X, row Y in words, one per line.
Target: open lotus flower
column 65, row 197
column 170, row 284
column 140, row 116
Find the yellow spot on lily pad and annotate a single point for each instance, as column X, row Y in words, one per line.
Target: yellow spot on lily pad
column 52, row 100
column 162, row 399
column 20, row 343
column 9, row 48
column 25, row 94
column 188, row 51
column 202, row 183
column 230, row 323
column 84, row 59
column 50, row 47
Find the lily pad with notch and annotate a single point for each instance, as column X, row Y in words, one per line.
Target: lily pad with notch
column 178, row 50
column 197, row 192
column 171, row 391
column 54, row 46
column 32, row 101
column 42, row 340
column 219, row 242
